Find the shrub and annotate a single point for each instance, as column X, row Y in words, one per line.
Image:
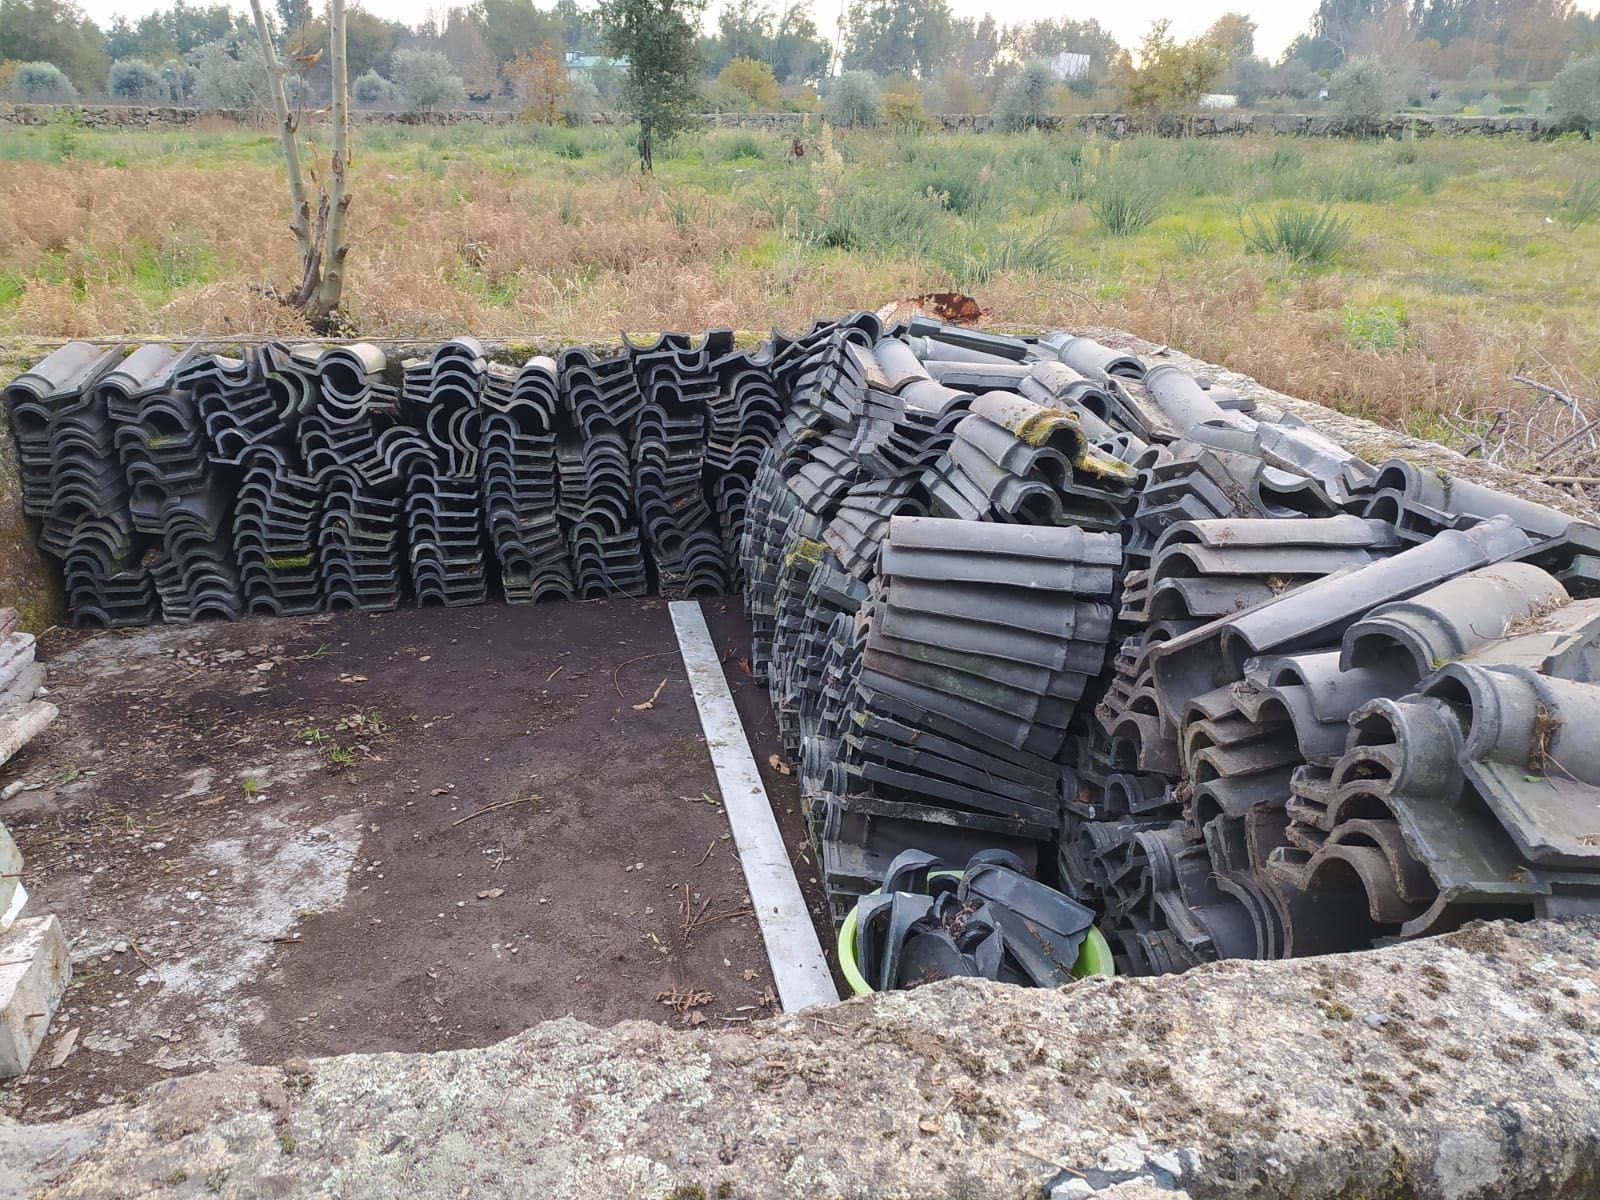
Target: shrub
column 956, row 186
column 1024, row 101
column 1583, row 201
column 902, row 109
column 1125, row 205
column 374, row 89
column 1020, row 254
column 1430, row 175
column 754, row 81
column 134, row 79
column 1478, row 83
column 1362, row 184
column 743, row 144
column 856, row 101
column 426, row 81
column 581, row 102
column 878, row 222
column 1305, row 235
column 42, row 83
column 1575, row 95
column 1378, row 327
column 1361, row 93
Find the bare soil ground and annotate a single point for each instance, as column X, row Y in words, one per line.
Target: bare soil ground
column 418, row 831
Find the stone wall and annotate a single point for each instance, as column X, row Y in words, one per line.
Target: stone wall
column 1107, row 125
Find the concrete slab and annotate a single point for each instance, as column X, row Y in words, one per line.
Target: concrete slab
column 34, row 973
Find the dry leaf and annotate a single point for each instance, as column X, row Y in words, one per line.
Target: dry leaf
column 352, row 679
column 64, row 1045
column 931, row 1124
column 778, row 765
column 492, row 894
column 651, row 703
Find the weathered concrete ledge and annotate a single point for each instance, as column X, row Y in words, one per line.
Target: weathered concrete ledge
column 1468, row 1066
column 1108, row 125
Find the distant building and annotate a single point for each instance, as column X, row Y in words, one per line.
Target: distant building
column 1070, row 65
column 589, row 62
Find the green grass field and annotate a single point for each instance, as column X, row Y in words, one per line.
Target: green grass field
column 1405, row 281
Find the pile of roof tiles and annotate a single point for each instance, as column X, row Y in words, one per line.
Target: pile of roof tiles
column 177, row 486
column 1213, row 676
column 1239, row 691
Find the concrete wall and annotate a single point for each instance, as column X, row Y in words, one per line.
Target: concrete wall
column 1108, row 125
column 1456, row 1068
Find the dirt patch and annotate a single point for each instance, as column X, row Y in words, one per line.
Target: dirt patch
column 420, row 831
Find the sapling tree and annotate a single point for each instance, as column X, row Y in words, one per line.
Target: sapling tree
column 320, row 232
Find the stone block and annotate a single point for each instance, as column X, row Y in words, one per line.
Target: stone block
column 12, row 894
column 34, row 972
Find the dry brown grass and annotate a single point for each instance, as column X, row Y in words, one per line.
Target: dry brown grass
column 490, row 248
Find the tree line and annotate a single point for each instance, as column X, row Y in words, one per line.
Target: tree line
column 890, row 60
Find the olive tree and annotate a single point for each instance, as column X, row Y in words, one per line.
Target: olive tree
column 426, row 81
column 856, row 101
column 42, row 83
column 135, row 79
column 1024, row 101
column 1575, row 95
column 1362, row 93
column 372, row 88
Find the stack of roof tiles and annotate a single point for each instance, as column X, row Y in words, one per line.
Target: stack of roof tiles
column 176, row 486
column 931, row 558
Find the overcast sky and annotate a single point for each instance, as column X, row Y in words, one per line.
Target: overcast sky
column 1278, row 22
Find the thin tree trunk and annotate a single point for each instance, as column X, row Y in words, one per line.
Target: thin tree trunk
column 329, row 294
column 646, row 158
column 300, row 218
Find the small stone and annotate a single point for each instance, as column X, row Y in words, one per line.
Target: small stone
column 1375, row 1020
column 1167, row 1162
column 1122, row 1158
column 1071, row 1189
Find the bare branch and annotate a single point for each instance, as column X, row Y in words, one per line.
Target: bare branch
column 338, row 195
column 300, row 219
